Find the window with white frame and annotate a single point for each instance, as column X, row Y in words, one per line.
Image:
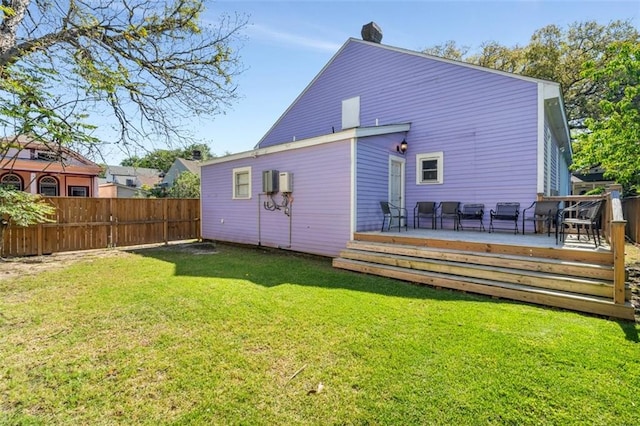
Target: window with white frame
column 242, row 183
column 429, row 168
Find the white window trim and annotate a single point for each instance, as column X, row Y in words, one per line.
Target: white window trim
column 439, row 156
column 236, row 172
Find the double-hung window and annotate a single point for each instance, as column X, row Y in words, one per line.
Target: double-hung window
column 429, row 168
column 242, row 183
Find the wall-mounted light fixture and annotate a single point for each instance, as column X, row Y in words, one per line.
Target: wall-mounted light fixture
column 402, row 148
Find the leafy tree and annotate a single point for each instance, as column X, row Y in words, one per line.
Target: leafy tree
column 21, row 209
column 557, row 54
column 162, row 159
column 187, row 185
column 613, row 138
column 141, row 66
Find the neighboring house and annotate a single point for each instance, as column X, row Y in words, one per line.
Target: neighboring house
column 48, row 170
column 119, row 178
column 116, row 190
column 179, row 166
column 472, row 134
column 581, row 183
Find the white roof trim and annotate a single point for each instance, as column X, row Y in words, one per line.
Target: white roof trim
column 359, row 132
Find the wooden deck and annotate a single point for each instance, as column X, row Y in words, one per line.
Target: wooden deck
column 532, row 268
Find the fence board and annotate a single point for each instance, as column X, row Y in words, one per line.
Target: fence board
column 92, row 223
column 631, row 209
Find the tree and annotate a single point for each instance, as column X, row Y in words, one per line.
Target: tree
column 557, row 54
column 162, row 159
column 140, row 66
column 21, row 209
column 613, row 138
column 186, row 185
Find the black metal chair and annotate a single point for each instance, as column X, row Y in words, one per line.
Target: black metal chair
column 506, row 212
column 543, row 211
column 474, row 212
column 585, row 214
column 448, row 210
column 391, row 212
column 424, row 209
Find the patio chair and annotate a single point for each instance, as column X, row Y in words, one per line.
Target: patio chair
column 506, row 212
column 471, row 212
column 448, row 210
column 424, row 209
column 389, row 211
column 585, row 214
column 543, row 211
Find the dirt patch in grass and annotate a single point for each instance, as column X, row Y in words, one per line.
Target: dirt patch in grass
column 31, row 265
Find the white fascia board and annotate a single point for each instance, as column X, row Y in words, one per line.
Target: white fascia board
column 553, row 93
column 540, row 127
column 360, row 132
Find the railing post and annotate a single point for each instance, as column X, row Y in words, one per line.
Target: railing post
column 617, row 227
column 617, row 241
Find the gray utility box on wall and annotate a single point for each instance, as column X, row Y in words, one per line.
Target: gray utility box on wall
column 270, row 181
column 286, row 182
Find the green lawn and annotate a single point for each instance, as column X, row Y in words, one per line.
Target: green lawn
column 165, row 336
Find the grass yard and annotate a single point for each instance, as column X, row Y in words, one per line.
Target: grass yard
column 251, row 336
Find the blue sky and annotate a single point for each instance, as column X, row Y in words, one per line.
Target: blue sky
column 288, row 42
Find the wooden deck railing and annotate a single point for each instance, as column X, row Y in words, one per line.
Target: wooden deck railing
column 613, row 230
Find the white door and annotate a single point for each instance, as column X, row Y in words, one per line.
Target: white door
column 396, row 184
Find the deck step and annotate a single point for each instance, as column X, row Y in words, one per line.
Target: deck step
column 521, row 292
column 591, row 270
column 550, row 280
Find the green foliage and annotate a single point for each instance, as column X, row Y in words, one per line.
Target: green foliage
column 613, row 139
column 22, row 209
column 186, row 185
column 556, row 54
column 167, row 337
column 596, row 191
column 162, row 159
column 141, row 68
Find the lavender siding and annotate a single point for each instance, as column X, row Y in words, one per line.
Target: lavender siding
column 484, row 122
column 372, row 171
column 320, row 213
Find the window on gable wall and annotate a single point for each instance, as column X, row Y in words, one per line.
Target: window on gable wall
column 242, row 183
column 429, row 168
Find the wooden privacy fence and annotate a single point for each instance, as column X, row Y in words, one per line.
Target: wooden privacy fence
column 93, row 223
column 631, row 209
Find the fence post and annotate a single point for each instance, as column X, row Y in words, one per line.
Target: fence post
column 165, row 219
column 40, row 235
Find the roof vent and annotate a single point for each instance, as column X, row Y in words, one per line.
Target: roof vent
column 371, row 32
column 196, row 154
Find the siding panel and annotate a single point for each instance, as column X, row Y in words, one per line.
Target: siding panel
column 319, row 221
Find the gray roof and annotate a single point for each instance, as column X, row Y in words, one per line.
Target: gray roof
column 191, row 165
column 132, row 171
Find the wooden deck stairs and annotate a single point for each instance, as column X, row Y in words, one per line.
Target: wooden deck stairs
column 579, row 280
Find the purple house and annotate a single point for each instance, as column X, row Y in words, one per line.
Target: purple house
column 473, row 135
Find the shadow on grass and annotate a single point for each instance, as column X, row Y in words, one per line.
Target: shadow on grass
column 272, row 267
